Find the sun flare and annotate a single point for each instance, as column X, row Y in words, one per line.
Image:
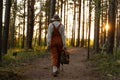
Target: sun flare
column 107, row 27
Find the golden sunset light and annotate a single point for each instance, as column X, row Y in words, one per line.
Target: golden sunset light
column 59, row 39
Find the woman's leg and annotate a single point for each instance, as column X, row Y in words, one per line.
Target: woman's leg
column 54, row 60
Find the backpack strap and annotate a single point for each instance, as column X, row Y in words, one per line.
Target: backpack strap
column 57, row 27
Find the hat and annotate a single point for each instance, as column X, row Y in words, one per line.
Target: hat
column 56, row 17
column 52, row 19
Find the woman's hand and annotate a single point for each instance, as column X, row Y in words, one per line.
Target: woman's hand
column 64, row 48
column 48, row 48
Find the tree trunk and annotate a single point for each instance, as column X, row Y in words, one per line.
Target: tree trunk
column 12, row 38
column 61, row 8
column 111, row 22
column 118, row 30
column 46, row 25
column 74, row 25
column 97, row 25
column 78, row 40
column 89, row 29
column 23, row 40
column 66, row 20
column 82, row 41
column 6, row 27
column 30, row 25
column 101, row 27
column 1, row 11
column 52, row 8
column 58, row 2
column 18, row 35
column 64, row 12
column 105, row 20
column 39, row 36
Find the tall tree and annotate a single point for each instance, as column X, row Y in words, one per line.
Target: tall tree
column 65, row 14
column 111, row 22
column 46, row 26
column 83, row 24
column 61, row 8
column 6, row 27
column 30, row 24
column 40, row 23
column 64, row 11
column 102, row 25
column 74, row 25
column 58, row 6
column 118, row 28
column 12, row 37
column 39, row 36
column 90, row 9
column 52, row 8
column 23, row 39
column 1, row 10
column 66, row 18
column 97, row 25
column 78, row 40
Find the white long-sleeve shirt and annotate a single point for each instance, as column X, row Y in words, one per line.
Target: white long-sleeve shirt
column 61, row 30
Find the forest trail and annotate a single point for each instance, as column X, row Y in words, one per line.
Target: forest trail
column 77, row 69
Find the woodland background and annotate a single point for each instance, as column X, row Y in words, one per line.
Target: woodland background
column 93, row 24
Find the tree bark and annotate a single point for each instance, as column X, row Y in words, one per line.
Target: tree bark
column 82, row 41
column 12, row 40
column 6, row 27
column 52, row 8
column 88, row 55
column 1, row 11
column 61, row 8
column 64, row 12
column 74, row 25
column 111, row 22
column 23, row 40
column 97, row 25
column 30, row 25
column 39, row 36
column 78, row 40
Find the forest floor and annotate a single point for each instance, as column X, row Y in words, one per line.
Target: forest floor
column 78, row 68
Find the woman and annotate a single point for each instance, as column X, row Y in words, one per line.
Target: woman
column 56, row 42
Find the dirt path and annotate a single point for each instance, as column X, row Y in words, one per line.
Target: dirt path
column 78, row 69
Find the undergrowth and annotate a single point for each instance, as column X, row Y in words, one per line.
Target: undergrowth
column 15, row 59
column 107, row 66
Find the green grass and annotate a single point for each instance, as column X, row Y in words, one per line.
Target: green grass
column 107, row 66
column 22, row 55
column 10, row 68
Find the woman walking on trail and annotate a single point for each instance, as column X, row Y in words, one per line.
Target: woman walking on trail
column 56, row 42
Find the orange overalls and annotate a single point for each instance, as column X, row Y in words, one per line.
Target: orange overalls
column 56, row 46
